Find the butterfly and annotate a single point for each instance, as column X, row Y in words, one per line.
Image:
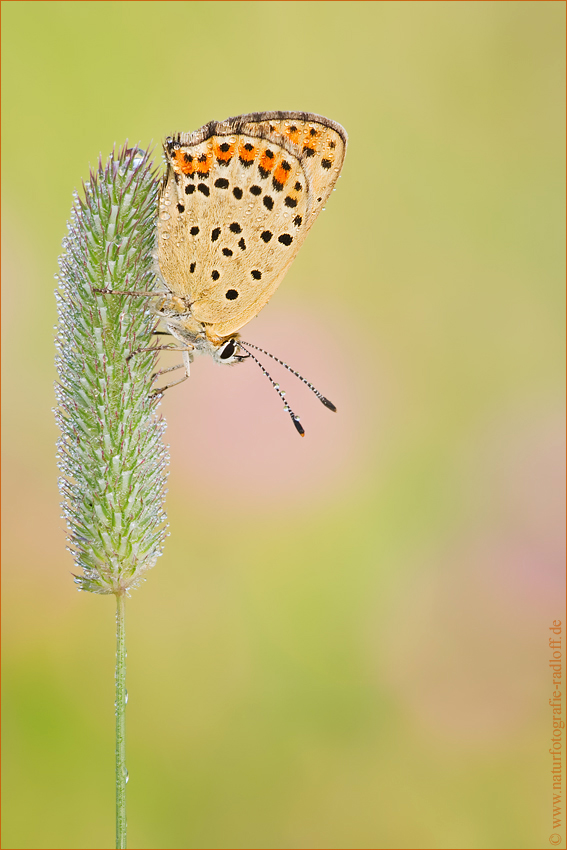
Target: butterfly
column 237, row 200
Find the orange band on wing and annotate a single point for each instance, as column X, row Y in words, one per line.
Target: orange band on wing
column 293, row 133
column 203, row 165
column 224, row 152
column 281, row 174
column 267, row 160
column 247, row 153
column 186, row 163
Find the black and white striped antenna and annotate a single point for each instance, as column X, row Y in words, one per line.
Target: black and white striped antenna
column 295, row 419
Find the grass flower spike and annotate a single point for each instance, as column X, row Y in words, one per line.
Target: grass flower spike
column 111, row 454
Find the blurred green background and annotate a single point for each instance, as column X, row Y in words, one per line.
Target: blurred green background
column 345, row 644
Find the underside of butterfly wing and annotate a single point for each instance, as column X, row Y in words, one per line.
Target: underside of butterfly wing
column 237, row 201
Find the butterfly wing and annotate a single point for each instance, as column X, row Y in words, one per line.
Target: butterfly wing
column 320, row 144
column 237, row 201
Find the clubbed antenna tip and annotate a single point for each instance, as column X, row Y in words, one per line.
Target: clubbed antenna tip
column 328, row 403
column 298, row 425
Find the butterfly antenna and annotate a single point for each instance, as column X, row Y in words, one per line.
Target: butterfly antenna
column 294, row 418
column 313, row 389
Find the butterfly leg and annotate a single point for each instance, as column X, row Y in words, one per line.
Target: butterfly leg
column 186, row 354
column 153, row 348
column 137, row 294
column 161, row 372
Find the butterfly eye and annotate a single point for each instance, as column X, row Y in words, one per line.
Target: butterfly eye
column 228, row 350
